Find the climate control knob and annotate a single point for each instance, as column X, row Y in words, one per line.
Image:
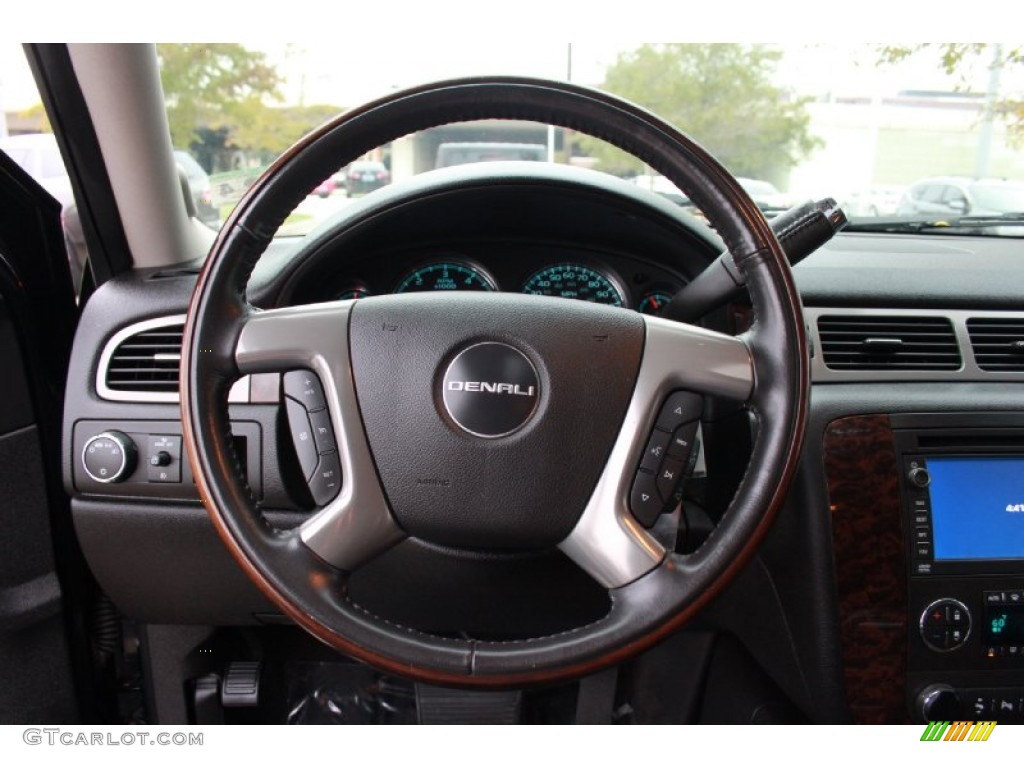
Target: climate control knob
column 939, row 702
column 945, row 625
column 109, row 457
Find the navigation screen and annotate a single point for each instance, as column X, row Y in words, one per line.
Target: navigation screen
column 977, row 507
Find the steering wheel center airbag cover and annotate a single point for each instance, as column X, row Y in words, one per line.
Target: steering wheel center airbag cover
column 485, row 419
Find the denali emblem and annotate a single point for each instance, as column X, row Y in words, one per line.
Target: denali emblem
column 475, row 379
column 498, row 388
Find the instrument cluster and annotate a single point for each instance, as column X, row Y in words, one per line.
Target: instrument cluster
column 610, row 279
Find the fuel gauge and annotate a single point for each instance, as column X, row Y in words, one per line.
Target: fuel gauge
column 653, row 303
column 353, row 292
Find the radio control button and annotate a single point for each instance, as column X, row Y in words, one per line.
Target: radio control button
column 994, row 598
column 923, row 551
column 922, row 534
column 669, row 477
column 919, row 476
column 679, row 408
column 326, row 480
column 681, row 445
column 921, row 518
column 644, row 500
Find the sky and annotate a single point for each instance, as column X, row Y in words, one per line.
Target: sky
column 349, row 72
column 351, row 53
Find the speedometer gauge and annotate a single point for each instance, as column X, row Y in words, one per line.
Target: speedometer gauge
column 575, row 281
column 446, row 276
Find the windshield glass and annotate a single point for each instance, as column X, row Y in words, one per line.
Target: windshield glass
column 883, row 129
column 858, row 122
column 1004, row 198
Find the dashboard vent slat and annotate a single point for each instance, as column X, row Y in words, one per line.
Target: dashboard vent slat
column 998, row 342
column 147, row 361
column 886, row 343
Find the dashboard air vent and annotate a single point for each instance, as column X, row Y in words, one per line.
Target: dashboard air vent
column 998, row 342
column 888, row 343
column 147, row 361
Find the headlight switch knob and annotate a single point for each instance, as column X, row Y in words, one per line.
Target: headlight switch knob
column 109, row 457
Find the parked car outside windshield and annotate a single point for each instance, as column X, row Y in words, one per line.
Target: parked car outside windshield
column 39, row 157
column 860, row 122
column 199, row 187
column 956, row 197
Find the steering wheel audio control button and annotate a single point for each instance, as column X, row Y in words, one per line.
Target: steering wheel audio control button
column 667, row 458
column 679, row 408
column 682, row 442
column 323, row 432
column 326, row 481
column 657, row 448
column 669, row 478
column 304, row 386
column 302, row 437
column 644, row 500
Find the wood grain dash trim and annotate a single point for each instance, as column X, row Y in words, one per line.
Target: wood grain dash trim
column 862, row 470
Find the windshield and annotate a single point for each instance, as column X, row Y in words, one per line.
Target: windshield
column 881, row 128
column 1002, row 199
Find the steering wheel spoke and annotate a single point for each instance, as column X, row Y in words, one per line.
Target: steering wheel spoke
column 680, row 356
column 357, row 524
column 608, row 542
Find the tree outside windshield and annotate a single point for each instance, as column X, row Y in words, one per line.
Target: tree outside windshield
column 858, row 122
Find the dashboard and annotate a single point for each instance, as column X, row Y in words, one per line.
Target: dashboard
column 577, row 235
column 868, row 600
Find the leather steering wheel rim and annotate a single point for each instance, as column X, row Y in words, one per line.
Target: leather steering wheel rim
column 643, row 609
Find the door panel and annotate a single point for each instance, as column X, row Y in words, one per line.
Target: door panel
column 39, row 656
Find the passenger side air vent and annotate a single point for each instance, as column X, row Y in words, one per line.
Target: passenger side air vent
column 998, row 342
column 888, row 343
column 147, row 361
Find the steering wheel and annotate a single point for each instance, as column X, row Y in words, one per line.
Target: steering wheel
column 452, row 412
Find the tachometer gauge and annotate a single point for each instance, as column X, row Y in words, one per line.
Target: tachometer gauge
column 446, row 276
column 575, row 281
